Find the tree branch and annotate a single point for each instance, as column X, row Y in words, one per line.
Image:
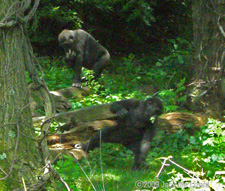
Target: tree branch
column 31, row 13
column 220, row 26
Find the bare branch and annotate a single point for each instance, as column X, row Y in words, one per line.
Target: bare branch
column 220, row 26
column 31, row 13
column 15, row 14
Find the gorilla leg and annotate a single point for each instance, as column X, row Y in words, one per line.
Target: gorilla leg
column 100, row 65
column 141, row 149
column 106, row 135
column 77, row 75
column 137, row 152
column 140, row 153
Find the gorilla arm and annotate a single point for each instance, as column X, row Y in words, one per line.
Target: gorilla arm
column 74, row 61
column 123, row 107
column 80, row 38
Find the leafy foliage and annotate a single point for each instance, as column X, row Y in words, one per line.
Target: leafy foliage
column 142, row 26
column 206, row 151
column 109, row 166
column 132, row 11
column 174, row 97
column 56, row 75
column 213, row 141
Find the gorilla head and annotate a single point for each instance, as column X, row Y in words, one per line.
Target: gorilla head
column 151, row 109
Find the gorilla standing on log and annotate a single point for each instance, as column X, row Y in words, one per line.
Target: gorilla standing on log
column 82, row 50
column 135, row 127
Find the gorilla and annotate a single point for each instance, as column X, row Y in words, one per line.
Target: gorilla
column 135, row 128
column 82, row 50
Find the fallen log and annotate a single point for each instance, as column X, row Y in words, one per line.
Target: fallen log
column 170, row 123
column 60, row 98
column 81, row 124
column 175, row 121
column 80, row 133
column 79, row 116
column 72, row 92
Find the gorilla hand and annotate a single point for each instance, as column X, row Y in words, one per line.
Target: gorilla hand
column 77, row 84
column 122, row 113
column 71, row 55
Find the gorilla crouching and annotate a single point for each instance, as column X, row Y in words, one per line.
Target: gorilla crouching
column 82, row 50
column 135, row 128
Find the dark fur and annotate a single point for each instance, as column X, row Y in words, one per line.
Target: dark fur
column 82, row 50
column 135, row 130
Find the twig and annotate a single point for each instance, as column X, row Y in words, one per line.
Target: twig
column 65, row 184
column 220, row 26
column 24, row 185
column 103, row 183
column 85, row 174
column 163, row 164
column 186, row 170
column 190, row 173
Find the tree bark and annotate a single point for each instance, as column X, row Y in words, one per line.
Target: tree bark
column 20, row 157
column 209, row 36
column 16, row 132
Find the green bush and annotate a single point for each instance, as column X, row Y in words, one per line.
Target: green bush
column 213, row 146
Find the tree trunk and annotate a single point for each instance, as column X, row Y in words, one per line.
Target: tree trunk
column 209, row 35
column 19, row 154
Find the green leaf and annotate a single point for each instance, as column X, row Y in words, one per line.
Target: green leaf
column 175, row 46
column 214, row 158
column 12, row 134
column 209, row 141
column 158, row 64
column 152, row 119
column 180, row 59
column 56, row 8
column 181, row 83
column 192, row 140
column 172, row 41
column 180, row 89
column 182, row 99
column 3, row 156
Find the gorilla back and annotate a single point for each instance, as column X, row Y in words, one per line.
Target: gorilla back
column 135, row 127
column 82, row 50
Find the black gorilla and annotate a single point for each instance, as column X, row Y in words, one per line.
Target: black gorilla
column 135, row 129
column 82, row 50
